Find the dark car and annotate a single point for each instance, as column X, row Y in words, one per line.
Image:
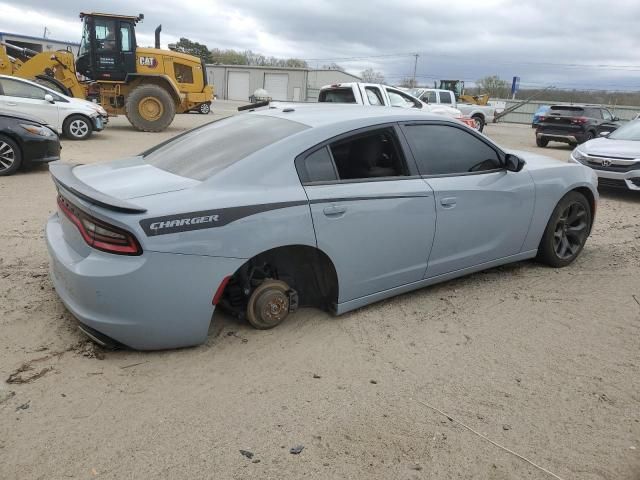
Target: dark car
column 574, row 124
column 24, row 141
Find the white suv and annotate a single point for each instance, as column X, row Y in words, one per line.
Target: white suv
column 77, row 119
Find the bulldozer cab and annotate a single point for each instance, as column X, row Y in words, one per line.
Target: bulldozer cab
column 108, row 46
column 456, row 86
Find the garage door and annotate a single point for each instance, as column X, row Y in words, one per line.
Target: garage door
column 276, row 84
column 238, row 86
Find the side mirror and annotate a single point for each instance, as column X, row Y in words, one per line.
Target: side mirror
column 513, row 163
column 49, row 98
column 604, row 134
column 616, row 119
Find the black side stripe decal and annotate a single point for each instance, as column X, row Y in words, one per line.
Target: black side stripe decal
column 184, row 222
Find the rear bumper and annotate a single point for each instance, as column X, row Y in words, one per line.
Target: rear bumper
column 559, row 137
column 153, row 301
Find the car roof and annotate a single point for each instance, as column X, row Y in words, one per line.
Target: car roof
column 321, row 114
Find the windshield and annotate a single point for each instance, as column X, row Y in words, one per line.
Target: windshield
column 630, row 131
column 84, row 43
column 200, row 153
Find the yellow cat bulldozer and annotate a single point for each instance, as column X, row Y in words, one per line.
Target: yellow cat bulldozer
column 148, row 85
column 457, row 87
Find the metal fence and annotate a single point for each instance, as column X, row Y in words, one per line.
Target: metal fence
column 524, row 114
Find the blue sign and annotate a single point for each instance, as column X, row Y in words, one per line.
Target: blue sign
column 515, row 85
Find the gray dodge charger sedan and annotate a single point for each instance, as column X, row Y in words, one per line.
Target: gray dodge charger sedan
column 333, row 207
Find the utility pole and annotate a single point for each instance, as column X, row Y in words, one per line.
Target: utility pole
column 415, row 67
column 46, row 30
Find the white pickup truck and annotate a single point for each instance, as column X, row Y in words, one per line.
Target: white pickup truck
column 481, row 114
column 374, row 94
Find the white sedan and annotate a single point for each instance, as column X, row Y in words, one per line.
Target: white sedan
column 76, row 118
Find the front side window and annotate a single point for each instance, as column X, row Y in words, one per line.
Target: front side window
column 606, row 114
column 15, row 88
column 399, row 99
column 86, row 38
column 446, row 150
column 374, row 96
column 445, row 97
column 373, row 154
column 430, row 97
column 105, row 34
column 204, row 151
column 184, row 73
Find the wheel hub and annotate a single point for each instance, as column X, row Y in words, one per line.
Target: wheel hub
column 150, row 108
column 7, row 156
column 571, row 231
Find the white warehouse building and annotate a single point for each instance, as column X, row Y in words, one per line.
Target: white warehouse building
column 36, row 43
column 238, row 82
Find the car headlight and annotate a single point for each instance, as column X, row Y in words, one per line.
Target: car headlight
column 38, row 130
column 99, row 109
column 578, row 156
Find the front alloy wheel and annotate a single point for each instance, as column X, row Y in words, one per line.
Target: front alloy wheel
column 567, row 231
column 9, row 156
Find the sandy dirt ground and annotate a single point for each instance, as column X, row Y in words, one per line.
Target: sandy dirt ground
column 545, row 362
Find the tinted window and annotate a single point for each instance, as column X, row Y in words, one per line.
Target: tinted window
column 374, row 96
column 445, row 97
column 370, row 155
column 201, row 152
column 593, row 113
column 317, row 167
column 441, row 150
column 184, row 73
column 399, row 99
column 337, row 95
column 15, row 88
column 566, row 111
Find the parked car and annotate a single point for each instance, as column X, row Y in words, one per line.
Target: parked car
column 24, row 141
column 328, row 206
column 76, row 118
column 481, row 114
column 574, row 124
column 377, row 95
column 614, row 157
column 540, row 112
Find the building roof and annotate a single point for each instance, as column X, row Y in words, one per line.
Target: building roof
column 266, row 67
column 44, row 40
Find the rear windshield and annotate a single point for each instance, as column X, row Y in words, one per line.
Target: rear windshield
column 566, row 111
column 337, row 95
column 200, row 153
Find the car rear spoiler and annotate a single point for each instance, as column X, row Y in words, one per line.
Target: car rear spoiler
column 63, row 176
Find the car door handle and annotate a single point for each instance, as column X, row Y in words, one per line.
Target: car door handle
column 334, row 210
column 448, row 202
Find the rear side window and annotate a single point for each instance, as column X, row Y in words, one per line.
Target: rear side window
column 337, row 95
column 447, row 150
column 202, row 152
column 593, row 113
column 317, row 167
column 374, row 154
column 374, row 96
column 445, row 97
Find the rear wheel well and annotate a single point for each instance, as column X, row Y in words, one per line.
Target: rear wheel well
column 307, row 270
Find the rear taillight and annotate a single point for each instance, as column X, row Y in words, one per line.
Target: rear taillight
column 542, row 118
column 98, row 234
column 580, row 120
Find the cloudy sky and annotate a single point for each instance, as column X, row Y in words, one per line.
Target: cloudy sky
column 565, row 43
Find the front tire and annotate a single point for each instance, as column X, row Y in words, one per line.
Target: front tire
column 268, row 304
column 77, row 127
column 204, row 109
column 566, row 232
column 150, row 108
column 479, row 121
column 10, row 156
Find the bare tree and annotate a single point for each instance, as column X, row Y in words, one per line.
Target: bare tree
column 371, row 76
column 408, row 82
column 494, row 86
